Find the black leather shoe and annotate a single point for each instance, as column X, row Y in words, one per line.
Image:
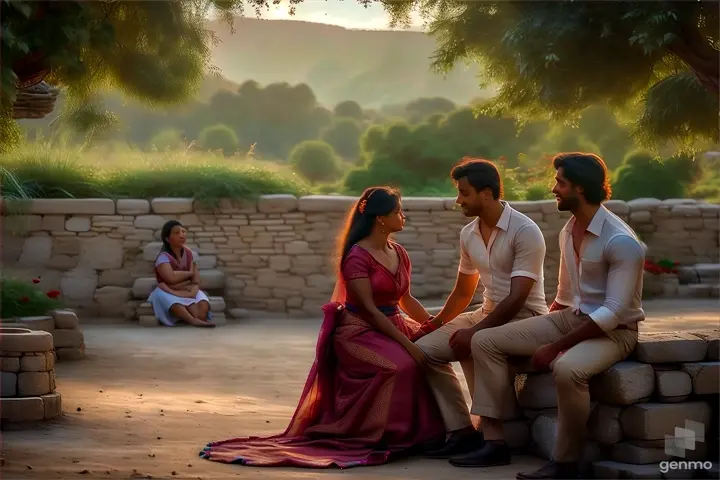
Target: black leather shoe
column 461, row 442
column 553, row 470
column 493, row 453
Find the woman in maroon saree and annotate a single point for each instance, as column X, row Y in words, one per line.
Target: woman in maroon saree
column 366, row 399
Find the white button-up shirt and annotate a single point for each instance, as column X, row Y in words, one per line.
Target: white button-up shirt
column 607, row 282
column 516, row 248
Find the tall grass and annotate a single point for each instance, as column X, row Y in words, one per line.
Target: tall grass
column 48, row 170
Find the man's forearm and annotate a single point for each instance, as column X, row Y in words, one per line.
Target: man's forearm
column 456, row 304
column 586, row 331
column 557, row 306
column 503, row 313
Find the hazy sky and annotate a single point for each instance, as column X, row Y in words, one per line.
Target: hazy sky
column 346, row 13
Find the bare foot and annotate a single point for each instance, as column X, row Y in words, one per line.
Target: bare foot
column 196, row 322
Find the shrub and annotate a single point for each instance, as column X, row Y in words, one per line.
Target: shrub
column 22, row 299
column 168, row 139
column 219, row 137
column 538, row 191
column 644, row 175
column 316, row 161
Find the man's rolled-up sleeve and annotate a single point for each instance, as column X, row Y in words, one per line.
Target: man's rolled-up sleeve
column 626, row 258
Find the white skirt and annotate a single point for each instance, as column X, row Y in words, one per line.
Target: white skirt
column 161, row 302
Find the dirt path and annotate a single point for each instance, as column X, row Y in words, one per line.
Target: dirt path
column 146, row 401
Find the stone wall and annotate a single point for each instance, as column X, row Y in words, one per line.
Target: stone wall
column 671, row 381
column 274, row 254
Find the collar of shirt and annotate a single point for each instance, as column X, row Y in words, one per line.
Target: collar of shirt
column 503, row 222
column 596, row 224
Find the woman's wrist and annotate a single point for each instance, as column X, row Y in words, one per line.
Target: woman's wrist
column 407, row 343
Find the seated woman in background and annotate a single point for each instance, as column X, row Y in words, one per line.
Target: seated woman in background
column 178, row 295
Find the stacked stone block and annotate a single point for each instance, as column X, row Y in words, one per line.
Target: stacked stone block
column 27, row 369
column 671, row 378
column 276, row 254
column 69, row 340
column 63, row 325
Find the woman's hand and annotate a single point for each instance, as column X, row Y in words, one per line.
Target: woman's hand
column 194, row 289
column 417, row 354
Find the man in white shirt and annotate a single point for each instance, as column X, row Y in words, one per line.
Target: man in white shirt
column 503, row 249
column 592, row 324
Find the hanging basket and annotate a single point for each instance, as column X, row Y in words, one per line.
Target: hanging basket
column 36, row 101
column 30, row 70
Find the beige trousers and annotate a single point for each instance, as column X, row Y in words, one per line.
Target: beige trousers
column 571, row 372
column 441, row 376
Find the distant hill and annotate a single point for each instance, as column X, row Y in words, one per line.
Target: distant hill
column 372, row 67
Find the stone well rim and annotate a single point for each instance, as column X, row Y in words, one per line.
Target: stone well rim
column 15, row 331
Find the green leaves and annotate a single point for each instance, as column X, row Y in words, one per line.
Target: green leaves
column 678, row 108
column 21, row 6
column 155, row 51
column 551, row 60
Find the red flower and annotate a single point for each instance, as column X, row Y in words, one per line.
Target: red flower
column 36, row 280
column 53, row 293
column 25, row 299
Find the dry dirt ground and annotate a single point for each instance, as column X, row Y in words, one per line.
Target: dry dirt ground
column 146, row 401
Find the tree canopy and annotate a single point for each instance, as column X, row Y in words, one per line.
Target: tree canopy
column 555, row 58
column 549, row 59
column 154, row 51
column 552, row 59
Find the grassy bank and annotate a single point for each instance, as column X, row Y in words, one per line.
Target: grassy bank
column 53, row 170
column 42, row 170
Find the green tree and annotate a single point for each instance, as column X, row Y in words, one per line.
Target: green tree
column 167, row 139
column 420, row 109
column 643, row 174
column 219, row 137
column 418, row 158
column 275, row 117
column 660, row 54
column 350, row 109
column 316, row 161
column 154, row 51
column 344, row 136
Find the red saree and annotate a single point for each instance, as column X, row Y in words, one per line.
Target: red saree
column 365, row 399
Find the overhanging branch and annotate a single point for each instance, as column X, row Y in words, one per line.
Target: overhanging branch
column 699, row 54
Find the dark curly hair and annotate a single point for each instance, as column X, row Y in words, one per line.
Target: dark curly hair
column 588, row 171
column 480, row 174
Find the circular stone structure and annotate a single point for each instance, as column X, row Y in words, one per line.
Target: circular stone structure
column 27, row 371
